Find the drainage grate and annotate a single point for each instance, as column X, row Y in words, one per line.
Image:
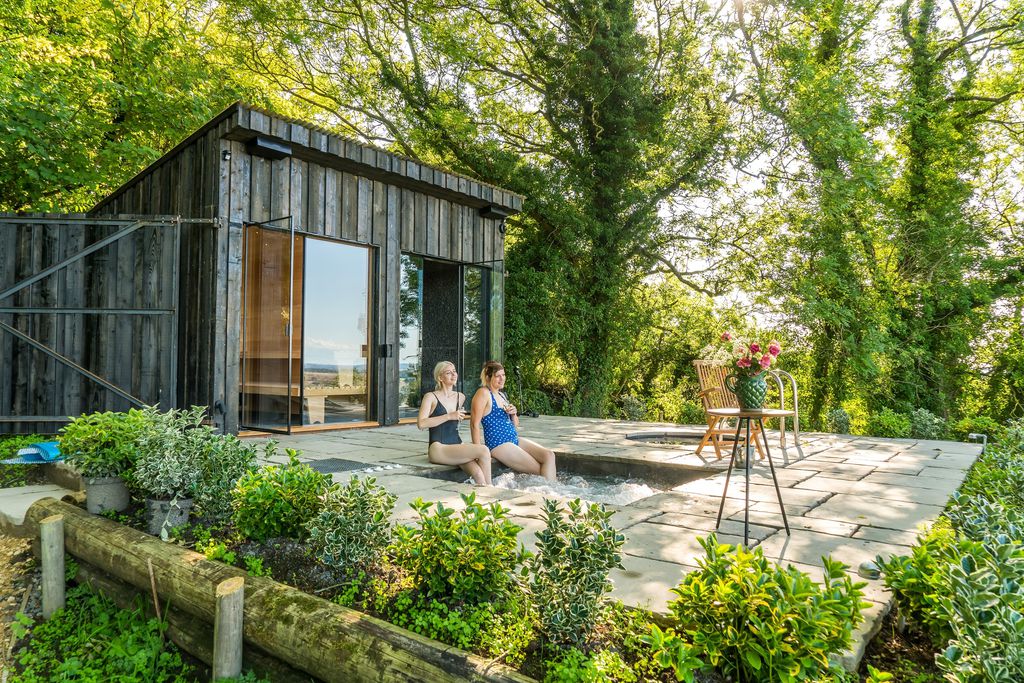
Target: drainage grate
column 329, row 465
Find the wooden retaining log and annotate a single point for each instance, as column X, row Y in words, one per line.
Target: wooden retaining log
column 328, row 641
column 190, row 634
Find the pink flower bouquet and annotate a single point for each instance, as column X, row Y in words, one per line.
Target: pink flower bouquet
column 751, row 359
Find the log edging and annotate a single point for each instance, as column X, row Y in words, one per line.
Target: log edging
column 330, row 642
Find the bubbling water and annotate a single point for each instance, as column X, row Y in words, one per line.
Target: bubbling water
column 596, row 489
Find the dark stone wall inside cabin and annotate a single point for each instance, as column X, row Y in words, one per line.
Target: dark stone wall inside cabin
column 442, row 317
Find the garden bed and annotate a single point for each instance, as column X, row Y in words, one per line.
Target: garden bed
column 307, row 633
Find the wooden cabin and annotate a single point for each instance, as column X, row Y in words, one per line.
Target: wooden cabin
column 285, row 277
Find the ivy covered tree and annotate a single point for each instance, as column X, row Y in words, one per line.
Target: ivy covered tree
column 595, row 117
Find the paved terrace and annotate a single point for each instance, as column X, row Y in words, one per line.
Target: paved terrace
column 849, row 497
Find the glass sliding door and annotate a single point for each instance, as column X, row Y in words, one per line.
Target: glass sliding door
column 336, row 333
column 410, row 336
column 271, row 318
column 476, row 304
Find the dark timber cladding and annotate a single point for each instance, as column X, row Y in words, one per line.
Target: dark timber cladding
column 87, row 314
column 250, row 166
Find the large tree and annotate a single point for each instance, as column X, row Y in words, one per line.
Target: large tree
column 597, row 111
column 91, row 92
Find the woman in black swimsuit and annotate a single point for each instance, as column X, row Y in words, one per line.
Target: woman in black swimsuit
column 441, row 411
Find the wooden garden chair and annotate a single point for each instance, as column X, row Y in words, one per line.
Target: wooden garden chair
column 715, row 394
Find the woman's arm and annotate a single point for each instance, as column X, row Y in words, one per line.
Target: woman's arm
column 481, row 406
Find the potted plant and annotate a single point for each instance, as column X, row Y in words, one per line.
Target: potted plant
column 102, row 447
column 169, row 466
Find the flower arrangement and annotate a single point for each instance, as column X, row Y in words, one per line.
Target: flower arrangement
column 752, row 358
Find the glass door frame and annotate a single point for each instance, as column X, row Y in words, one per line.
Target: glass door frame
column 242, row 380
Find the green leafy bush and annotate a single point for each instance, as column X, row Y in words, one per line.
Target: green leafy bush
column 466, row 556
column 102, row 444
column 575, row 552
column 92, row 640
column 353, row 529
column 169, row 457
column 925, row 424
column 278, row 500
column 837, row 421
column 573, row 666
column 888, row 424
column 917, row 581
column 979, row 424
column 222, row 460
column 755, row 621
column 963, row 581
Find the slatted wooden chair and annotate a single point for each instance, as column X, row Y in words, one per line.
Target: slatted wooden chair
column 715, row 394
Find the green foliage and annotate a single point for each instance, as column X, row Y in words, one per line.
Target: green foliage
column 170, row 454
column 466, row 556
column 16, row 475
column 93, row 91
column 837, row 421
column 91, row 640
column 572, row 666
column 222, row 460
column 254, row 566
column 353, row 528
column 979, row 424
column 217, row 550
column 888, row 424
column 876, row 676
column 962, row 581
column 247, row 677
column 575, row 552
column 916, row 580
column 756, row 621
column 924, row 424
column 278, row 500
column 103, row 444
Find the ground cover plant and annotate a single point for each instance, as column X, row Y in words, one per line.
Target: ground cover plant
column 92, row 640
column 961, row 582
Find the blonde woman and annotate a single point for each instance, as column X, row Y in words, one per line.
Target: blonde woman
column 494, row 422
column 441, row 411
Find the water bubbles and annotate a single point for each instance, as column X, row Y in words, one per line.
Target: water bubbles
column 596, row 489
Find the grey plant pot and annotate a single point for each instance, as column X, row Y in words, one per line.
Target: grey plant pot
column 105, row 493
column 161, row 513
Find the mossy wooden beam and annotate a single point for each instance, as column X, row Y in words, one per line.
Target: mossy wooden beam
column 328, row 641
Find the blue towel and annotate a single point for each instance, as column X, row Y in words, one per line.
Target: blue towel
column 44, row 451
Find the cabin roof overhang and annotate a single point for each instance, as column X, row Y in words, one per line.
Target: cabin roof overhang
column 272, row 136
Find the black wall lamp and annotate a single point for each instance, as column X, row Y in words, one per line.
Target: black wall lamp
column 262, row 146
column 497, row 213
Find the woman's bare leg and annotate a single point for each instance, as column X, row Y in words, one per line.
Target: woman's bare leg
column 475, row 460
column 515, row 457
column 545, row 457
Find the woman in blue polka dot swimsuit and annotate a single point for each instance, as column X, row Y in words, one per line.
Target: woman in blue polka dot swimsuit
column 493, row 422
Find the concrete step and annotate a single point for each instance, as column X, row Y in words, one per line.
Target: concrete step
column 15, row 502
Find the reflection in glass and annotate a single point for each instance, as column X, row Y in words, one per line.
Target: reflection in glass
column 410, row 347
column 475, row 347
column 271, row 315
column 336, row 335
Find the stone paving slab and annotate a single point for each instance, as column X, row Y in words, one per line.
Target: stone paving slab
column 852, row 497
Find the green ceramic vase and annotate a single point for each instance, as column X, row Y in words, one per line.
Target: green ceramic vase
column 750, row 391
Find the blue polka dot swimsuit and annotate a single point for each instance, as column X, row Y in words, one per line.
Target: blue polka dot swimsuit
column 498, row 427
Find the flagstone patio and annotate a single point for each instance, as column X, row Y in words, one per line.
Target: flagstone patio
column 853, row 498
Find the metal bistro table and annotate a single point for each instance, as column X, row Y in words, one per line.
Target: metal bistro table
column 743, row 417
